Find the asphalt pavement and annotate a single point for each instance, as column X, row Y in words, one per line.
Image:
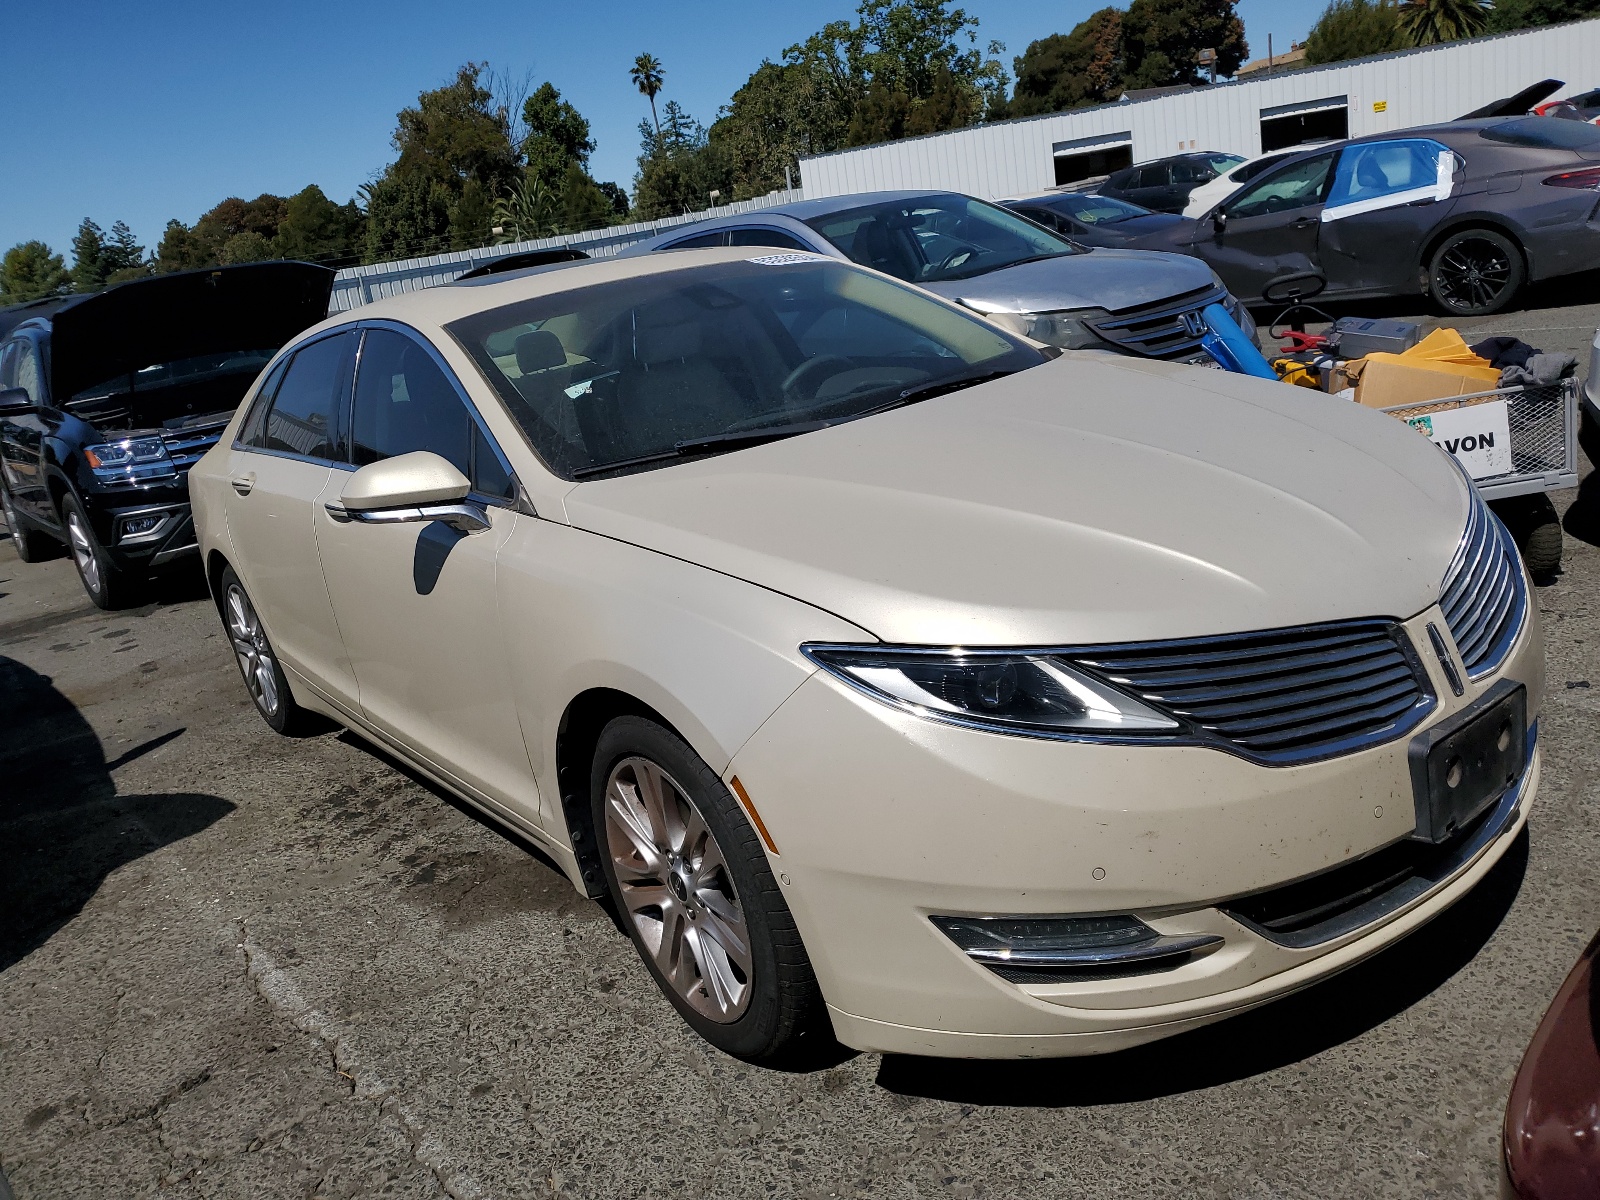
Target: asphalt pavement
column 237, row 965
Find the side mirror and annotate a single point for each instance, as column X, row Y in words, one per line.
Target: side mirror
column 415, row 487
column 1219, row 222
column 14, row 402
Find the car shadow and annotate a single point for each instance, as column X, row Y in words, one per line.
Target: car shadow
column 1563, row 292
column 1277, row 1035
column 63, row 823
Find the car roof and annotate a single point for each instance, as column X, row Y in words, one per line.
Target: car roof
column 434, row 307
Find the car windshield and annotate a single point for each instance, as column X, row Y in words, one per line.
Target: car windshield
column 1551, row 133
column 930, row 239
column 661, row 367
column 1094, row 210
column 1223, row 162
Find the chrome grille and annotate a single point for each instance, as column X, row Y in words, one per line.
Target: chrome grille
column 1161, row 330
column 185, row 449
column 1483, row 598
column 1281, row 696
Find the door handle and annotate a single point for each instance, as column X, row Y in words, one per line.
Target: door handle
column 1302, row 223
column 243, row 483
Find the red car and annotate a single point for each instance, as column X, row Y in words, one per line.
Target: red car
column 1552, row 1131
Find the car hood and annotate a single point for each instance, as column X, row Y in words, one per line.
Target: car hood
column 1091, row 499
column 1102, row 278
column 113, row 333
column 1141, row 226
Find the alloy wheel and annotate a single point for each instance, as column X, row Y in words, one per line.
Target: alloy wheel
column 677, row 890
column 1473, row 273
column 83, row 553
column 253, row 650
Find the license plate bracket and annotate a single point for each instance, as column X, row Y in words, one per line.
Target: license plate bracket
column 1463, row 765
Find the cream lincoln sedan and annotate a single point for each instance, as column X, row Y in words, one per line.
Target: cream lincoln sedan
column 894, row 677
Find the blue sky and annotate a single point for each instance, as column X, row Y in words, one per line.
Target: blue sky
column 141, row 112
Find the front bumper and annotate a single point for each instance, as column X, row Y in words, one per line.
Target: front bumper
column 143, row 528
column 882, row 819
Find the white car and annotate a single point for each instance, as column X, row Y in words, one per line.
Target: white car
column 898, row 678
column 1208, row 195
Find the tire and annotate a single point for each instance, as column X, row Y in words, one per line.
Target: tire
column 1475, row 272
column 108, row 585
column 30, row 545
column 258, row 661
column 659, row 810
column 1535, row 526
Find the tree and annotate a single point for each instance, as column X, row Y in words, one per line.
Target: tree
column 648, row 76
column 31, row 271
column 124, row 257
column 904, row 67
column 315, row 229
column 526, row 212
column 1162, row 39
column 617, row 198
column 455, row 156
column 1510, row 15
column 1353, row 29
column 1071, row 70
column 558, row 136
column 246, row 247
column 1428, row 22
column 678, row 167
column 88, row 258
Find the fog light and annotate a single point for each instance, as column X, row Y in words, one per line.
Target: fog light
column 1070, row 947
column 139, row 526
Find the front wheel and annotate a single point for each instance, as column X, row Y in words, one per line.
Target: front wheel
column 1475, row 272
column 258, row 661
column 108, row 585
column 694, row 888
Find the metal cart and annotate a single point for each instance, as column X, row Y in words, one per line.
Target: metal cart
column 1543, row 426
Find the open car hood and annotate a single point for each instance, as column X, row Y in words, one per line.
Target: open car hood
column 170, row 317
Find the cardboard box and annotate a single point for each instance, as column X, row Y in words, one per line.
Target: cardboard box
column 1436, row 368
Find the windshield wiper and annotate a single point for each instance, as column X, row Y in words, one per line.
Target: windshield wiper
column 710, row 444
column 936, row 387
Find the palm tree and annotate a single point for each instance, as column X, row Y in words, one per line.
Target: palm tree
column 1426, row 22
column 526, row 212
column 647, row 76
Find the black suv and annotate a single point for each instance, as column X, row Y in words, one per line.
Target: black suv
column 107, row 400
column 1164, row 184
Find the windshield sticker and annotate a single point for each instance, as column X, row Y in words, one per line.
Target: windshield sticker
column 579, row 389
column 784, row 260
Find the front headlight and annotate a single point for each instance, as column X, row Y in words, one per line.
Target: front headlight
column 1021, row 693
column 1242, row 318
column 1069, row 330
column 132, row 458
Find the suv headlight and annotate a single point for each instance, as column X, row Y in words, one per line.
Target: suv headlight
column 1009, row 692
column 131, row 458
column 1068, row 329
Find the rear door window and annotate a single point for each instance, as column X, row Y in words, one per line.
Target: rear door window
column 1155, row 175
column 302, row 418
column 766, row 236
column 1375, row 175
column 27, row 371
column 719, row 238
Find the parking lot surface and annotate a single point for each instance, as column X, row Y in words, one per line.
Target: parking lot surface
column 237, row 965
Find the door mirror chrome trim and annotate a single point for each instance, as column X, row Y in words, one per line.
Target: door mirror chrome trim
column 467, row 517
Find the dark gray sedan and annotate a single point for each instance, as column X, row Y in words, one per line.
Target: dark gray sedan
column 1466, row 212
column 982, row 256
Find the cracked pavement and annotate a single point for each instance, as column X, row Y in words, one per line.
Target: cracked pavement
column 235, row 965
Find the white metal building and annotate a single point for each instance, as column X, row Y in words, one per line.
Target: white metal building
column 1348, row 99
